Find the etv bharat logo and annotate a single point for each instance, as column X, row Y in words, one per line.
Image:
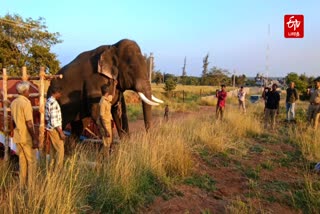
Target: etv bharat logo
column 293, row 26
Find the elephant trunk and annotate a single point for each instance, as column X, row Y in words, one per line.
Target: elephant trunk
column 146, row 107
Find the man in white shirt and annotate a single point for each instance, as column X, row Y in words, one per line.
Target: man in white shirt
column 241, row 99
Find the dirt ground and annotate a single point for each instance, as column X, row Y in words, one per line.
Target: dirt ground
column 270, row 193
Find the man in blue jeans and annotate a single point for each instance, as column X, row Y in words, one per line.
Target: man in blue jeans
column 292, row 97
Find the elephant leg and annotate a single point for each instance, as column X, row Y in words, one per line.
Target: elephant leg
column 76, row 130
column 119, row 114
column 118, row 122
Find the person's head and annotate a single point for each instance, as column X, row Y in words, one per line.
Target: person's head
column 56, row 92
column 241, row 88
column 317, row 82
column 104, row 89
column 274, row 87
column 291, row 84
column 23, row 88
column 223, row 87
column 105, row 92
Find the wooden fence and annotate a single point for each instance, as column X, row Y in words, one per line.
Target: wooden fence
column 41, row 108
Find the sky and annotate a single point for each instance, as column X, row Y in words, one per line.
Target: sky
column 234, row 33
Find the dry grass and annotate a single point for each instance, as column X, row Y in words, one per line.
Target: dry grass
column 308, row 140
column 145, row 165
column 163, row 155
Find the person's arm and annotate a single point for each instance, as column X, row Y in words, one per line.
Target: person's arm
column 55, row 119
column 61, row 133
column 115, row 82
column 35, row 141
column 102, row 113
column 29, row 123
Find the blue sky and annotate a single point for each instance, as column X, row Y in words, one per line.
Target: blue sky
column 234, row 33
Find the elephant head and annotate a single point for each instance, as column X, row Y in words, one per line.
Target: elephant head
column 124, row 61
column 84, row 76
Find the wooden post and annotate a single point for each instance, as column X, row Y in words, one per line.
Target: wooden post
column 5, row 115
column 41, row 107
column 24, row 74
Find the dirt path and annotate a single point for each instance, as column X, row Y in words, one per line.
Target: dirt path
column 138, row 125
column 262, row 180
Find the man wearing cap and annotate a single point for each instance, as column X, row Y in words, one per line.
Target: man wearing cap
column 314, row 107
column 24, row 134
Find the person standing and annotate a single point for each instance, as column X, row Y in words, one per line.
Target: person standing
column 272, row 107
column 313, row 113
column 241, row 99
column 264, row 96
column 105, row 119
column 292, row 97
column 54, row 127
column 24, row 134
column 166, row 113
column 221, row 103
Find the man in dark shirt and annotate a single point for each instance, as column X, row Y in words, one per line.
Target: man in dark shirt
column 272, row 107
column 292, row 97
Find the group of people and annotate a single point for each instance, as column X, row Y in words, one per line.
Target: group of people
column 272, row 100
column 27, row 141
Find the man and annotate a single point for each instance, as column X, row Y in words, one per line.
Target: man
column 222, row 96
column 264, row 96
column 314, row 107
column 166, row 113
column 24, row 134
column 241, row 99
column 272, row 107
column 292, row 97
column 105, row 119
column 54, row 127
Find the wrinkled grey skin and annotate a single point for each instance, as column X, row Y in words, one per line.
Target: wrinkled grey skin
column 84, row 76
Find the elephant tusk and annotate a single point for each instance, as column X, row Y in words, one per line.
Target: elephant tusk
column 146, row 100
column 156, row 99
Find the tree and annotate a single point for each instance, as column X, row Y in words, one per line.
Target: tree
column 170, row 85
column 239, row 80
column 205, row 68
column 300, row 83
column 218, row 76
column 27, row 42
column 158, row 77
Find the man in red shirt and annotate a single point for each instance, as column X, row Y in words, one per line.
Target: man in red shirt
column 222, row 96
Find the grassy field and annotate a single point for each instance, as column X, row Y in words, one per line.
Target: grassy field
column 191, row 164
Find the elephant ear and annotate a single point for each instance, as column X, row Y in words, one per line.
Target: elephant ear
column 108, row 63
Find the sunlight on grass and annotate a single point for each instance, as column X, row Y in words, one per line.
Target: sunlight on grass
column 308, row 140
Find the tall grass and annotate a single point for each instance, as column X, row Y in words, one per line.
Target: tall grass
column 308, row 140
column 140, row 168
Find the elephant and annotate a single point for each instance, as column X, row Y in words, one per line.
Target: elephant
column 84, row 76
